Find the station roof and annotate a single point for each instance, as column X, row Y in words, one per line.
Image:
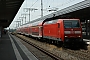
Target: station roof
column 80, row 10
column 8, row 10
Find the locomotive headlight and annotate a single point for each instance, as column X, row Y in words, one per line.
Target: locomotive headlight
column 79, row 36
column 66, row 36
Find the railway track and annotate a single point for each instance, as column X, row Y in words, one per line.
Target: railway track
column 65, row 54
column 80, row 54
column 53, row 56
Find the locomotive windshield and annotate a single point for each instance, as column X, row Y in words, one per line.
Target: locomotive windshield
column 71, row 24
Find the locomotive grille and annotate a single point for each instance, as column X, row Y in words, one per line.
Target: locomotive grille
column 72, row 32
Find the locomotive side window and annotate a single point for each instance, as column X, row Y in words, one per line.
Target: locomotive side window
column 71, row 24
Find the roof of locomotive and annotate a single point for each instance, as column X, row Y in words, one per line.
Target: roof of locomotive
column 57, row 21
column 68, row 19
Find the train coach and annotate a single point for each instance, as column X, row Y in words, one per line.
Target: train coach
column 60, row 31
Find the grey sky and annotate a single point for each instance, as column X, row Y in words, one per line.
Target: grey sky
column 60, row 4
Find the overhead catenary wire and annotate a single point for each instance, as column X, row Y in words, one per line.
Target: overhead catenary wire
column 34, row 3
column 51, row 4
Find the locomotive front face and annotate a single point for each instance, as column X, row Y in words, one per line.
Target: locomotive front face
column 72, row 30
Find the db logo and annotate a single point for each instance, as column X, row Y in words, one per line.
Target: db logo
column 72, row 32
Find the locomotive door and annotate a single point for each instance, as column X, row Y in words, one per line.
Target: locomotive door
column 58, row 32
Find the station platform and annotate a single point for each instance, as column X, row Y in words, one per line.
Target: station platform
column 12, row 49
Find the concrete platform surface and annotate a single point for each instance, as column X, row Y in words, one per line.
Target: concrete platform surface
column 6, row 49
column 12, row 49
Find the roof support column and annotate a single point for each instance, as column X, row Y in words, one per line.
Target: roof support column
column 86, row 27
column 1, row 31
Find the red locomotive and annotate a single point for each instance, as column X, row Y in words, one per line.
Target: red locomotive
column 68, row 31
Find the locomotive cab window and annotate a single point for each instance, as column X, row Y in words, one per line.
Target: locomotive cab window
column 71, row 24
